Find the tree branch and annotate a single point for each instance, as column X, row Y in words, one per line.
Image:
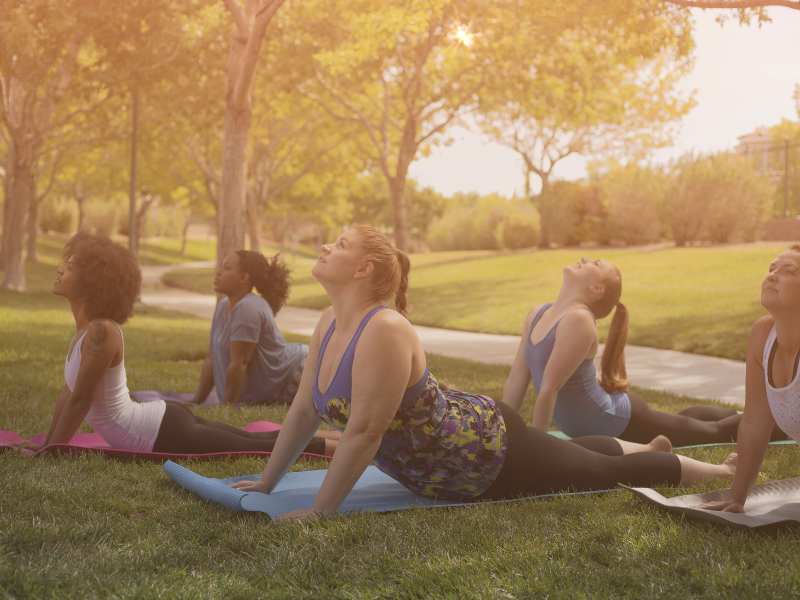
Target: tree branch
column 794, row 4
column 238, row 16
column 241, row 91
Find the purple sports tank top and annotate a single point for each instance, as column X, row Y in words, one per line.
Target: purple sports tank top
column 582, row 407
column 449, row 445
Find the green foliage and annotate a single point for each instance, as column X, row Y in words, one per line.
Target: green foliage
column 634, row 196
column 717, row 198
column 492, row 222
column 372, row 203
column 57, row 213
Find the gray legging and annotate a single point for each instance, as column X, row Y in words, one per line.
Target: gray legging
column 538, row 463
column 182, row 432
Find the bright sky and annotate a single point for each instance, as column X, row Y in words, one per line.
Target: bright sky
column 743, row 76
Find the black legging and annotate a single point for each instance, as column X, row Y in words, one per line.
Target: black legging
column 716, row 413
column 682, row 429
column 538, row 463
column 182, row 432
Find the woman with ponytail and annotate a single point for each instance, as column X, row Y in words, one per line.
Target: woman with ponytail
column 370, row 381
column 558, row 354
column 248, row 360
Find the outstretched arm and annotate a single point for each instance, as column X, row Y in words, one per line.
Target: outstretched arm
column 575, row 337
column 102, row 343
column 299, row 426
column 206, row 380
column 241, row 353
column 520, row 376
column 756, row 426
column 383, row 364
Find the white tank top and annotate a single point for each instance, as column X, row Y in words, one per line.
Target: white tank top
column 783, row 402
column 121, row 422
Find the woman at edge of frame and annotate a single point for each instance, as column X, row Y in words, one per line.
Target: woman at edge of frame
column 772, row 387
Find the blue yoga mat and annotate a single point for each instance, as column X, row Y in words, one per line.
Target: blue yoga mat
column 374, row 492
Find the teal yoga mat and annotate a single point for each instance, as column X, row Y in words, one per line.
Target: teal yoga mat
column 374, row 492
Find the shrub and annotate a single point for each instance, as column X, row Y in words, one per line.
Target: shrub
column 716, row 198
column 101, row 216
column 633, row 195
column 560, row 207
column 57, row 214
column 520, row 228
column 488, row 223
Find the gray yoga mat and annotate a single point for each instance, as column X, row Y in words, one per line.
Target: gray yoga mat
column 768, row 504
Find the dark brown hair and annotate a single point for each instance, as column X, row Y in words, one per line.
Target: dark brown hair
column 391, row 267
column 107, row 274
column 613, row 376
column 269, row 276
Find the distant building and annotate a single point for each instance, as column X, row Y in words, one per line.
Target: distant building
column 758, row 143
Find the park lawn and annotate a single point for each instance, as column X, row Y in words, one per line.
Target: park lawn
column 93, row 527
column 165, row 251
column 699, row 299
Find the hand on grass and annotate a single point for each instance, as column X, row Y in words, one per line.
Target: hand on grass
column 302, row 515
column 250, row 486
column 727, row 505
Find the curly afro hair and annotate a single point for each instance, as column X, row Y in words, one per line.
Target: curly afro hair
column 108, row 274
column 269, row 276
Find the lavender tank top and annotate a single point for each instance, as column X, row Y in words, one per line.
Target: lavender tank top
column 448, row 445
column 582, row 407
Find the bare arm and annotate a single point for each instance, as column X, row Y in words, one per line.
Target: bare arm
column 62, row 400
column 101, row 345
column 299, row 426
column 520, row 376
column 756, row 426
column 206, row 380
column 241, row 353
column 576, row 336
column 383, row 360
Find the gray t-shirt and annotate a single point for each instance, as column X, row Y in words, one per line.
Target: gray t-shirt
column 273, row 360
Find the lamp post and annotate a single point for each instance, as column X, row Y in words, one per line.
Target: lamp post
column 785, row 177
column 133, row 245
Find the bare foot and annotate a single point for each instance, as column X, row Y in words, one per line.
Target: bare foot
column 731, row 462
column 660, row 443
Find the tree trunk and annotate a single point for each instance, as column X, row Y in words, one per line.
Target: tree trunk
column 544, row 213
column 254, row 222
column 234, row 180
column 186, row 224
column 80, row 214
column 33, row 230
column 22, row 190
column 397, row 189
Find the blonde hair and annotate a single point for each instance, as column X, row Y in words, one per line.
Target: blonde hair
column 613, row 376
column 390, row 267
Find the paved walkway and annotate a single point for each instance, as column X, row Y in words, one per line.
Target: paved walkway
column 678, row 372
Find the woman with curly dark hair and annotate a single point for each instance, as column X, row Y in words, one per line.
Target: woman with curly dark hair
column 101, row 280
column 248, row 360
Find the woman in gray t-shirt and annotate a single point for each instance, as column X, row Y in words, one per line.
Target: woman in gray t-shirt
column 248, row 359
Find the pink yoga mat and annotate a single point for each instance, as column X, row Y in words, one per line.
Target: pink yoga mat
column 92, row 443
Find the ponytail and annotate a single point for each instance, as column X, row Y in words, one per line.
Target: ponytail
column 613, row 376
column 400, row 299
column 269, row 276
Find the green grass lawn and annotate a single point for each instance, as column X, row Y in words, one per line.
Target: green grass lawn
column 701, row 300
column 93, row 527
